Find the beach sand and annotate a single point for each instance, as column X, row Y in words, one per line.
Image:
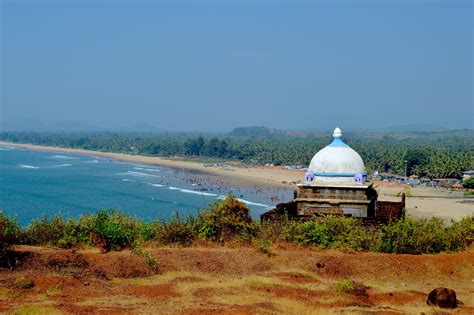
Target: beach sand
column 420, row 201
column 427, row 201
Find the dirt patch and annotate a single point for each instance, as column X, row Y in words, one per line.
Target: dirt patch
column 233, row 281
column 212, row 260
column 187, row 279
column 397, row 298
column 157, row 290
column 296, row 277
column 72, row 309
column 204, row 293
column 235, row 309
column 85, row 264
column 306, row 296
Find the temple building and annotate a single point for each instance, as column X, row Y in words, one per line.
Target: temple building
column 337, row 183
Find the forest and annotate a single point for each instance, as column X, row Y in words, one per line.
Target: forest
column 426, row 154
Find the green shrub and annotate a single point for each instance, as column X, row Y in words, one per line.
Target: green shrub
column 412, row 236
column 23, row 284
column 44, row 231
column 9, row 232
column 176, row 231
column 113, row 230
column 264, row 247
column 274, row 230
column 332, row 232
column 224, row 220
column 148, row 258
column 76, row 233
column 345, row 286
column 461, row 234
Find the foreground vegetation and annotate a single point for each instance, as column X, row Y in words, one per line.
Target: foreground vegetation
column 228, row 221
column 432, row 154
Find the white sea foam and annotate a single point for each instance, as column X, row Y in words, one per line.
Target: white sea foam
column 187, row 191
column 197, row 192
column 127, row 180
column 60, row 165
column 157, row 185
column 152, row 170
column 92, row 161
column 6, row 148
column 250, row 203
column 28, row 166
column 139, row 168
column 65, row 157
column 140, row 174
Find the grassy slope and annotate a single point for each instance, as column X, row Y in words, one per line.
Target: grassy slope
column 231, row 280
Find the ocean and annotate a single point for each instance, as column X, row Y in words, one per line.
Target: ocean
column 34, row 184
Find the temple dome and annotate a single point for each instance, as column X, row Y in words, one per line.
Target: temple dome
column 337, row 162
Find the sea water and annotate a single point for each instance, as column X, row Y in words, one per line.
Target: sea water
column 38, row 183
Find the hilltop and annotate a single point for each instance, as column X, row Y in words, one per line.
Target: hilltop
column 224, row 280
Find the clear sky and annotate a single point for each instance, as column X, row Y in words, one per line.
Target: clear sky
column 213, row 66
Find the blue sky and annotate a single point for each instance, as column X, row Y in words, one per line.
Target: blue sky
column 213, row 66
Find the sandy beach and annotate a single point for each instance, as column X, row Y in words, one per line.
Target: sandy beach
column 421, row 201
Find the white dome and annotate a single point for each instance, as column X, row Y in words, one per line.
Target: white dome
column 337, row 162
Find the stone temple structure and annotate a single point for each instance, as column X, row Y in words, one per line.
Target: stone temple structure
column 336, row 183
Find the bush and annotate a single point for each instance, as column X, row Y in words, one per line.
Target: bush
column 176, row 231
column 424, row 236
column 9, row 231
column 461, row 234
column 332, row 232
column 113, row 230
column 345, row 286
column 224, row 220
column 229, row 219
column 44, row 231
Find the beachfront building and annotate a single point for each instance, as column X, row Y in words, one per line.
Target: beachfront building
column 337, row 183
column 467, row 174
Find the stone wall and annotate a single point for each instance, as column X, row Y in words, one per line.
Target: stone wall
column 390, row 210
column 331, row 193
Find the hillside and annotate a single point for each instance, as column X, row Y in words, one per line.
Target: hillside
column 225, row 280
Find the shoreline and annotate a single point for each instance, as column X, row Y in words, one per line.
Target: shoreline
column 423, row 202
column 268, row 177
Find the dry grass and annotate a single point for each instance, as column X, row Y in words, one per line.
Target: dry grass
column 225, row 281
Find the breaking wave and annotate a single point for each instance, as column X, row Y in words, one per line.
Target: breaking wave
column 250, row 203
column 146, row 169
column 60, row 165
column 127, row 180
column 65, row 157
column 3, row 148
column 140, row 174
column 152, row 170
column 197, row 192
column 28, row 166
column 188, row 191
column 92, row 161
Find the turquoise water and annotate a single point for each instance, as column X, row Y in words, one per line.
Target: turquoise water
column 37, row 183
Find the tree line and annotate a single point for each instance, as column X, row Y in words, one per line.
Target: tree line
column 434, row 155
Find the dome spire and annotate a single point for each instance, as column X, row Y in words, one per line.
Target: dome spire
column 337, row 133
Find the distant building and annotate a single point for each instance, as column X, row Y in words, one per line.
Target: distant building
column 467, row 174
column 336, row 183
